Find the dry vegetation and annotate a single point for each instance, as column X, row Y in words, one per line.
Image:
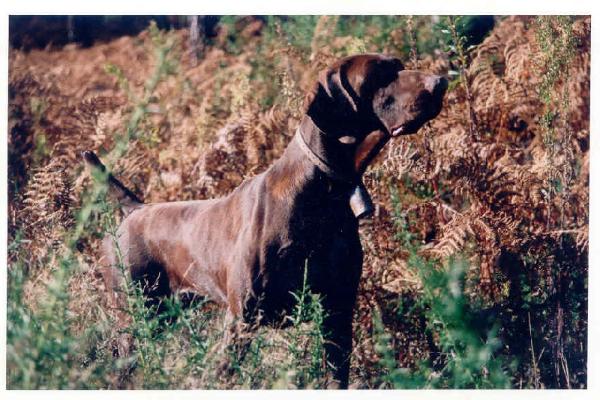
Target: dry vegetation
column 499, row 179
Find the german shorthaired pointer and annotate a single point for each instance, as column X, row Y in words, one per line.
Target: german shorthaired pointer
column 248, row 250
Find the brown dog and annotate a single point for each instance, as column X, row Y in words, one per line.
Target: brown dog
column 248, row 250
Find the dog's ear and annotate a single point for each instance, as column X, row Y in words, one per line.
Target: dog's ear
column 333, row 99
column 378, row 72
column 340, row 87
column 340, row 101
column 332, row 87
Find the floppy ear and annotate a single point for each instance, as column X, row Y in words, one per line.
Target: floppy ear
column 379, row 73
column 338, row 83
column 332, row 99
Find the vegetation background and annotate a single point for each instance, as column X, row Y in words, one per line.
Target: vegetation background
column 475, row 272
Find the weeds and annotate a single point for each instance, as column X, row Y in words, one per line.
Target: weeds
column 478, row 276
column 306, row 338
column 465, row 352
column 46, row 332
column 457, row 47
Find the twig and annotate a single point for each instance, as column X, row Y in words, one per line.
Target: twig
column 533, row 360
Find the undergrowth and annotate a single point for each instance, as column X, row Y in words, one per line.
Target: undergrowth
column 475, row 272
column 466, row 350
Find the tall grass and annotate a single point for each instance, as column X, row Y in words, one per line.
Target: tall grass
column 531, row 333
column 465, row 352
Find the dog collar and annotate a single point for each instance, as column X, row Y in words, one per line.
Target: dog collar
column 320, row 163
column 360, row 200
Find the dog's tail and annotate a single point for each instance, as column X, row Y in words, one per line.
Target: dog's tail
column 125, row 197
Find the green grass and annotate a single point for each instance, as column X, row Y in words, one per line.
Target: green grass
column 466, row 353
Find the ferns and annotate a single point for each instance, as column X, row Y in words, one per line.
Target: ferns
column 500, row 178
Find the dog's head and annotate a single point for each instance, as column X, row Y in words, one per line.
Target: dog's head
column 364, row 100
column 360, row 102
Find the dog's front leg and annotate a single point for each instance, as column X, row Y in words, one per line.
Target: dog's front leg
column 339, row 297
column 338, row 326
column 338, row 287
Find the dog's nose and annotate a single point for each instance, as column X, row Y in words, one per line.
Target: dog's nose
column 442, row 84
column 436, row 84
column 431, row 82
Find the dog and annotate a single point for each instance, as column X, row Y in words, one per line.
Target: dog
column 248, row 250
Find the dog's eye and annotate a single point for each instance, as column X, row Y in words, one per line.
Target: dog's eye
column 389, row 101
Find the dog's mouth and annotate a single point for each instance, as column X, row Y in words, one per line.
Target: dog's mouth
column 398, row 131
column 407, row 128
column 429, row 112
column 413, row 126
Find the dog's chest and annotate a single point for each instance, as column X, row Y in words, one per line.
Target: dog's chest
column 314, row 254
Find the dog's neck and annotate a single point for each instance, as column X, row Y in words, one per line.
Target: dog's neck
column 317, row 161
column 295, row 171
column 334, row 158
column 349, row 160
